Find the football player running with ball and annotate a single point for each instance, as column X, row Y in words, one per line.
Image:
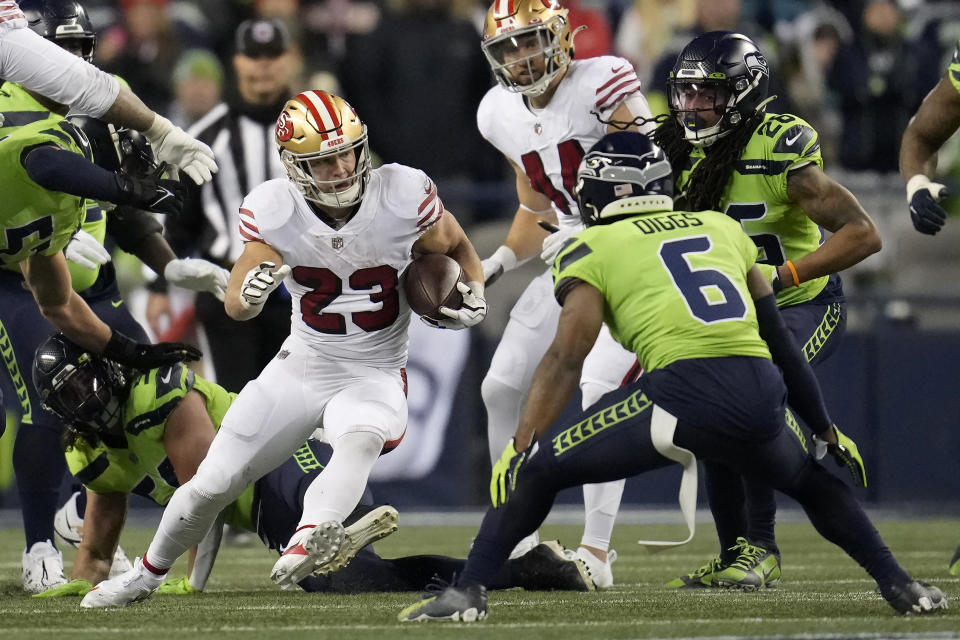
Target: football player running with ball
column 545, row 111
column 704, row 324
column 764, row 170
column 338, row 233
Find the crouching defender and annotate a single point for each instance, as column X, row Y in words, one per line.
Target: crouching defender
column 146, row 433
column 682, row 291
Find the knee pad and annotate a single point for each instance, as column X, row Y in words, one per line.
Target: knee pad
column 367, row 407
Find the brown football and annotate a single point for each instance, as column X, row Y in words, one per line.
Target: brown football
column 430, row 282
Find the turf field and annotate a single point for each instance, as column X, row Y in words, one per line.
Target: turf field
column 823, row 593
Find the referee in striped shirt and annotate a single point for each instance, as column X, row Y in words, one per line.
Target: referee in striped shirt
column 241, row 133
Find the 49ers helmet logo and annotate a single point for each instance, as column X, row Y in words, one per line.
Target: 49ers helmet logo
column 284, row 127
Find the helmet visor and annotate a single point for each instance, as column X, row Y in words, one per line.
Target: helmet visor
column 81, row 396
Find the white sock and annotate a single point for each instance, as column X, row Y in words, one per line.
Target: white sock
column 339, row 487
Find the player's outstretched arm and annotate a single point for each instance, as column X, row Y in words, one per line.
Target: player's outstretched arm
column 935, row 121
column 833, row 207
column 558, row 374
column 257, row 272
column 102, row 524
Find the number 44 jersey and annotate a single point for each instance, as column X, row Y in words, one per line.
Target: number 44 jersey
column 674, row 285
column 549, row 143
column 343, row 283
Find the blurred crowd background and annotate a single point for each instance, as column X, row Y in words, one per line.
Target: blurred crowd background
column 856, row 70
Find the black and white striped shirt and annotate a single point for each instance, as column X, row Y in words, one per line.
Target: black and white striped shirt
column 242, row 138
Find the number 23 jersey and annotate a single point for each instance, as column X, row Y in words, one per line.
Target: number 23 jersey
column 549, row 143
column 343, row 283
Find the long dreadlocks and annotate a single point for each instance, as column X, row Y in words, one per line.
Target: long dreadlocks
column 707, row 182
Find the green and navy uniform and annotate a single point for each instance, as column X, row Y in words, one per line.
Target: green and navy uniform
column 38, row 466
column 815, row 311
column 675, row 292
column 756, row 196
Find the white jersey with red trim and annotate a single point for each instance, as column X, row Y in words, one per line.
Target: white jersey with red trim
column 9, row 11
column 346, row 301
column 549, row 143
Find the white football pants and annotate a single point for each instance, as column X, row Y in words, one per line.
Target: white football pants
column 362, row 408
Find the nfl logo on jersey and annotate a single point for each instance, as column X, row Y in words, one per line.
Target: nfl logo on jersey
column 337, row 243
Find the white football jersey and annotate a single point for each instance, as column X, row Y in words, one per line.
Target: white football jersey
column 9, row 10
column 347, row 304
column 549, row 143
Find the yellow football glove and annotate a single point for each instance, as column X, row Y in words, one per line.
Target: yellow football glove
column 846, row 454
column 503, row 480
column 78, row 587
column 176, row 587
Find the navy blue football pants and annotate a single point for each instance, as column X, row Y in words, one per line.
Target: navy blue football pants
column 730, row 411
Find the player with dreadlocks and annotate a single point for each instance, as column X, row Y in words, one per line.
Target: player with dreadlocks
column 765, row 171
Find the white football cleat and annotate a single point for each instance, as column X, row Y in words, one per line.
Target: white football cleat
column 133, row 586
column 600, row 571
column 42, row 567
column 375, row 524
column 525, row 546
column 67, row 523
column 310, row 549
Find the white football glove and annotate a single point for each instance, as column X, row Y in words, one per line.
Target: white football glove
column 86, row 250
column 197, row 275
column 502, row 260
column 173, row 145
column 260, row 281
column 472, row 311
column 554, row 242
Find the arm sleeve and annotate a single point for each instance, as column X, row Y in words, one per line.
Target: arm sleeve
column 129, row 226
column 42, row 66
column 803, row 390
column 60, row 170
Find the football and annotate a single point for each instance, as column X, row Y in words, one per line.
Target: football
column 430, row 282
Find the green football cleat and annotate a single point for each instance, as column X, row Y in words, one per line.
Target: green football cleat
column 954, row 569
column 702, row 578
column 460, row 604
column 755, row 568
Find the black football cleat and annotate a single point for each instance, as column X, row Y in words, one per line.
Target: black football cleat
column 915, row 598
column 547, row 568
column 459, row 604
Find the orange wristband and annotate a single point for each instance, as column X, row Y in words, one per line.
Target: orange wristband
column 793, row 272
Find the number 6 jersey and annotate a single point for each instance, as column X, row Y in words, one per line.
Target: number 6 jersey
column 343, row 283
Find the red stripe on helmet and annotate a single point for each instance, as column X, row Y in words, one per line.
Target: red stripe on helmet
column 308, row 103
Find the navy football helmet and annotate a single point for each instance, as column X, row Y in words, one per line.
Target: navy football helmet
column 64, row 22
column 83, row 389
column 115, row 149
column 720, row 72
column 623, row 174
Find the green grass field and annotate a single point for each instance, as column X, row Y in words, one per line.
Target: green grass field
column 823, row 592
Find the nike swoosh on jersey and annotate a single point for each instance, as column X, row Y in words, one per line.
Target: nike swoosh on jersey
column 616, row 69
column 116, row 303
column 790, row 141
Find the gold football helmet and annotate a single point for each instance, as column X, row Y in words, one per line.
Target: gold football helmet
column 527, row 43
column 314, row 129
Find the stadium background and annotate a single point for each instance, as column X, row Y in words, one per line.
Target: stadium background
column 415, row 73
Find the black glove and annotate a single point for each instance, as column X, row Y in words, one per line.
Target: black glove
column 151, row 192
column 927, row 216
column 129, row 353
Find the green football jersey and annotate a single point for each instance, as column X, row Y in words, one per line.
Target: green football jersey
column 674, row 285
column 33, row 219
column 135, row 461
column 19, row 108
column 756, row 197
column 953, row 70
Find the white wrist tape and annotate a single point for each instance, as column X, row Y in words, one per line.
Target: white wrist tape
column 506, row 257
column 921, row 181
